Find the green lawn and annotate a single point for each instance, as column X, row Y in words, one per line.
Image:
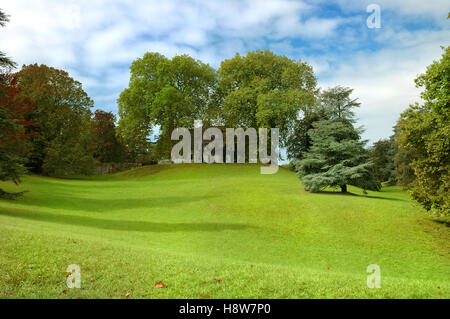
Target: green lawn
column 216, row 231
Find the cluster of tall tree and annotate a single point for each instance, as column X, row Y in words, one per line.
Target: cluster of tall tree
column 47, row 126
column 64, row 137
column 62, row 113
column 167, row 93
column 260, row 89
column 13, row 110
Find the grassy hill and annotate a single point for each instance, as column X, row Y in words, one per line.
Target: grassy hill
column 216, row 231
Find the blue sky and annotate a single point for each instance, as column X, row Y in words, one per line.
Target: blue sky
column 96, row 41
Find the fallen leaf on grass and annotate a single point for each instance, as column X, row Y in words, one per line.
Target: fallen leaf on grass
column 160, row 284
column 127, row 294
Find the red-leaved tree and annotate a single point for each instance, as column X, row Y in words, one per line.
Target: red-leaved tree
column 15, row 129
column 107, row 147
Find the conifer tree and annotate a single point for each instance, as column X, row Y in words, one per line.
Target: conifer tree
column 336, row 158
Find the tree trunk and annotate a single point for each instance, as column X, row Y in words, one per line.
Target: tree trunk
column 344, row 188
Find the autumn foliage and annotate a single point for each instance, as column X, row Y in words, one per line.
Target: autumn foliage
column 14, row 109
column 15, row 128
column 107, row 147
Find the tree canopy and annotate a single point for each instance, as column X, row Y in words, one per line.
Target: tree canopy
column 107, row 148
column 62, row 114
column 332, row 103
column 382, row 155
column 423, row 133
column 166, row 93
column 336, row 103
column 262, row 89
column 336, row 158
column 13, row 111
column 259, row 90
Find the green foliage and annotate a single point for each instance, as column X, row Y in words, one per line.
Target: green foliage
column 328, row 148
column 63, row 117
column 382, row 155
column 262, row 89
column 403, row 173
column 13, row 109
column 107, row 147
column 164, row 93
column 68, row 159
column 258, row 90
column 424, row 132
column 299, row 142
column 336, row 158
column 336, row 103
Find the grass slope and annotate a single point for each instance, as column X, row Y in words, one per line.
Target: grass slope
column 260, row 236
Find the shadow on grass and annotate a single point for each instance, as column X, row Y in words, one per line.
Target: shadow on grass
column 11, row 196
column 65, row 201
column 442, row 222
column 143, row 171
column 358, row 195
column 126, row 225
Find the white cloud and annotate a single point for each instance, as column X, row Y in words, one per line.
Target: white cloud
column 107, row 32
column 414, row 8
column 384, row 82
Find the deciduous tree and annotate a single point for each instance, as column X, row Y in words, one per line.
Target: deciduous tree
column 262, row 89
column 164, row 93
column 424, row 132
column 382, row 155
column 63, row 143
column 107, row 147
column 13, row 111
